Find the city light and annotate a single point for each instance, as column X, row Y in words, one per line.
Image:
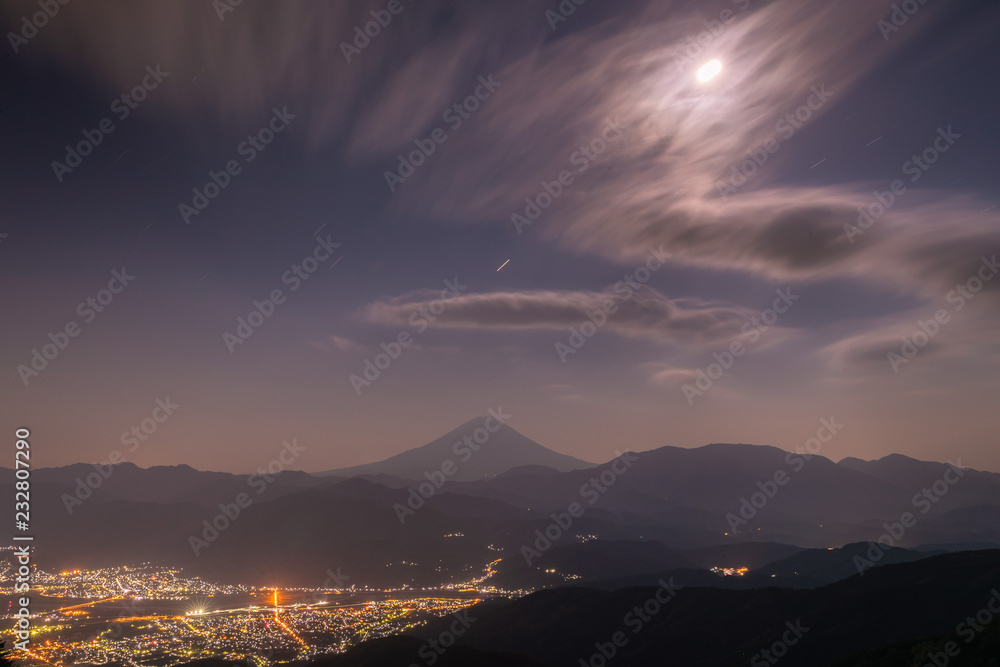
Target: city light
column 157, row 615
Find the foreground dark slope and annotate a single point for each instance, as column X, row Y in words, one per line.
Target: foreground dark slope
column 716, row 627
column 982, row 650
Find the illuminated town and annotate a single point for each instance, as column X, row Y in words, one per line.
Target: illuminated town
column 148, row 614
column 730, row 571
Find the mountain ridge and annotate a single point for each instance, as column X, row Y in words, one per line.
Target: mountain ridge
column 482, row 447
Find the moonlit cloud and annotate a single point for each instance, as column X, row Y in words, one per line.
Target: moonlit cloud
column 659, row 184
column 611, row 99
column 946, row 334
column 646, row 313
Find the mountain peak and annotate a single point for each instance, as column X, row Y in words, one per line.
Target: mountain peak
column 481, row 447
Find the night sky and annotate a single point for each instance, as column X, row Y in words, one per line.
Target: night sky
column 380, row 182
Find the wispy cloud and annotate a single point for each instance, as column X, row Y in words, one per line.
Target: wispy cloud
column 646, row 313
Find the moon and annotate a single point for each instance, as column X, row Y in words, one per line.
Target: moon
column 709, row 70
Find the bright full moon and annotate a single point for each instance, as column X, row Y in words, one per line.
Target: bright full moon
column 709, row 69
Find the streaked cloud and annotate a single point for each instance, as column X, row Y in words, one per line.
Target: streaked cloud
column 645, row 314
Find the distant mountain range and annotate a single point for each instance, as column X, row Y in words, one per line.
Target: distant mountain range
column 441, row 512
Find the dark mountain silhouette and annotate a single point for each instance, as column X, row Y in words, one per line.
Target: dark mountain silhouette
column 708, row 491
column 982, row 651
column 161, row 484
column 530, row 471
column 614, row 565
column 751, row 555
column 496, row 454
column 590, row 561
column 711, row 626
column 387, row 530
column 974, row 487
column 977, row 523
column 685, row 577
column 957, row 546
column 818, row 567
column 666, row 515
